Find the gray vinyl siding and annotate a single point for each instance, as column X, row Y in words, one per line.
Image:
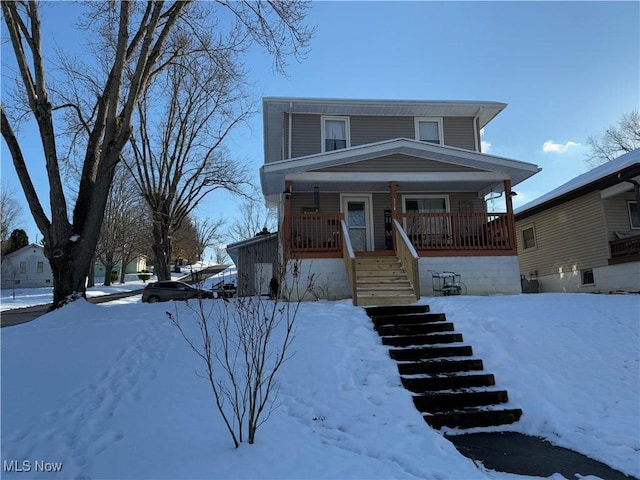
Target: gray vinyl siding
column 307, row 138
column 366, row 129
column 249, row 256
column 458, row 132
column 617, row 215
column 398, row 163
column 307, row 133
column 568, row 237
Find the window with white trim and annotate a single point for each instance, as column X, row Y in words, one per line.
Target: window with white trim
column 528, row 238
column 634, row 215
column 335, row 133
column 429, row 129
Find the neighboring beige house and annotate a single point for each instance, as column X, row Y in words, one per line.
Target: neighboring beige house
column 136, row 265
column 584, row 236
column 27, row 267
column 374, row 195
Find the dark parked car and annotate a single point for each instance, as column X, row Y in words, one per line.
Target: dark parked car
column 172, row 290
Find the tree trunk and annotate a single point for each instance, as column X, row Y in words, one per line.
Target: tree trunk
column 161, row 250
column 69, row 266
column 91, row 278
column 108, row 266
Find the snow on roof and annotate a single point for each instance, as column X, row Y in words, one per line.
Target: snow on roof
column 602, row 171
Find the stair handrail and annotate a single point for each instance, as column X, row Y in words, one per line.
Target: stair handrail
column 407, row 255
column 349, row 259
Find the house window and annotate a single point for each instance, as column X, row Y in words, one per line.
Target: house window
column 23, row 267
column 528, row 238
column 429, row 129
column 634, row 215
column 587, row 277
column 40, row 267
column 335, row 133
column 427, row 226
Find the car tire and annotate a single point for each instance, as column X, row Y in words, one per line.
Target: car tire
column 153, row 300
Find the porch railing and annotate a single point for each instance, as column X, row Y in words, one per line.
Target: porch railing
column 459, row 230
column 407, row 256
column 315, row 232
column 625, row 246
column 349, row 260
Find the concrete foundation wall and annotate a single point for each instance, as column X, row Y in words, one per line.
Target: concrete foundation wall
column 481, row 275
column 611, row 278
column 330, row 280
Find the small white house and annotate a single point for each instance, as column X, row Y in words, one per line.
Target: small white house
column 27, row 267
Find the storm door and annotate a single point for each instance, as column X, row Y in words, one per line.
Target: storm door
column 357, row 213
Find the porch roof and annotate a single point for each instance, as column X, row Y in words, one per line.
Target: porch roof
column 483, row 173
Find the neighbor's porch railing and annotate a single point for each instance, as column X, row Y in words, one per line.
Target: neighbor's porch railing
column 317, row 233
column 459, row 230
column 625, row 246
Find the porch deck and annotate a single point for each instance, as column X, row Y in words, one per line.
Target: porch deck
column 625, row 250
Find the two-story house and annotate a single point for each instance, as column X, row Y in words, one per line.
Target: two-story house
column 584, row 236
column 375, row 195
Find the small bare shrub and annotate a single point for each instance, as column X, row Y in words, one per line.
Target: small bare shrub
column 242, row 343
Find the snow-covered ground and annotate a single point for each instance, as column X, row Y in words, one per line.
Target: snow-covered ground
column 111, row 391
column 29, row 297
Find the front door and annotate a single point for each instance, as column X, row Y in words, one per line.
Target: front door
column 357, row 214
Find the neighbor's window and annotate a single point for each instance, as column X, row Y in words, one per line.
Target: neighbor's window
column 528, row 238
column 634, row 216
column 23, row 267
column 587, row 277
column 40, row 267
column 335, row 133
column 429, row 129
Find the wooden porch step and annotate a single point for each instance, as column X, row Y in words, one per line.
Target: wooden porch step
column 386, row 300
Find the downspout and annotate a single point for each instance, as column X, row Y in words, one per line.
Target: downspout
column 636, row 188
column 476, row 130
column 290, row 125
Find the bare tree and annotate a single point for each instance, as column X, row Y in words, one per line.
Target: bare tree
column 10, row 212
column 254, row 219
column 123, row 228
column 616, row 140
column 139, row 47
column 243, row 343
column 220, row 252
column 178, row 153
column 132, row 42
column 208, row 233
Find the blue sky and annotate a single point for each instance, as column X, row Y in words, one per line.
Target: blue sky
column 567, row 70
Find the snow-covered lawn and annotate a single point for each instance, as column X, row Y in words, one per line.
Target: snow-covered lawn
column 110, row 391
column 28, row 297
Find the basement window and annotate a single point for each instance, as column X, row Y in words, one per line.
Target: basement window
column 587, row 277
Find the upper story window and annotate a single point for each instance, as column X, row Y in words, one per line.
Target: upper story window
column 335, row 133
column 429, row 129
column 634, row 214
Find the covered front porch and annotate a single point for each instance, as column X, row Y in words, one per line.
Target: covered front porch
column 418, row 202
column 368, row 222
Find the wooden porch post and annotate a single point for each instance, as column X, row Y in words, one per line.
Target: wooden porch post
column 393, row 187
column 511, row 224
column 286, row 222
